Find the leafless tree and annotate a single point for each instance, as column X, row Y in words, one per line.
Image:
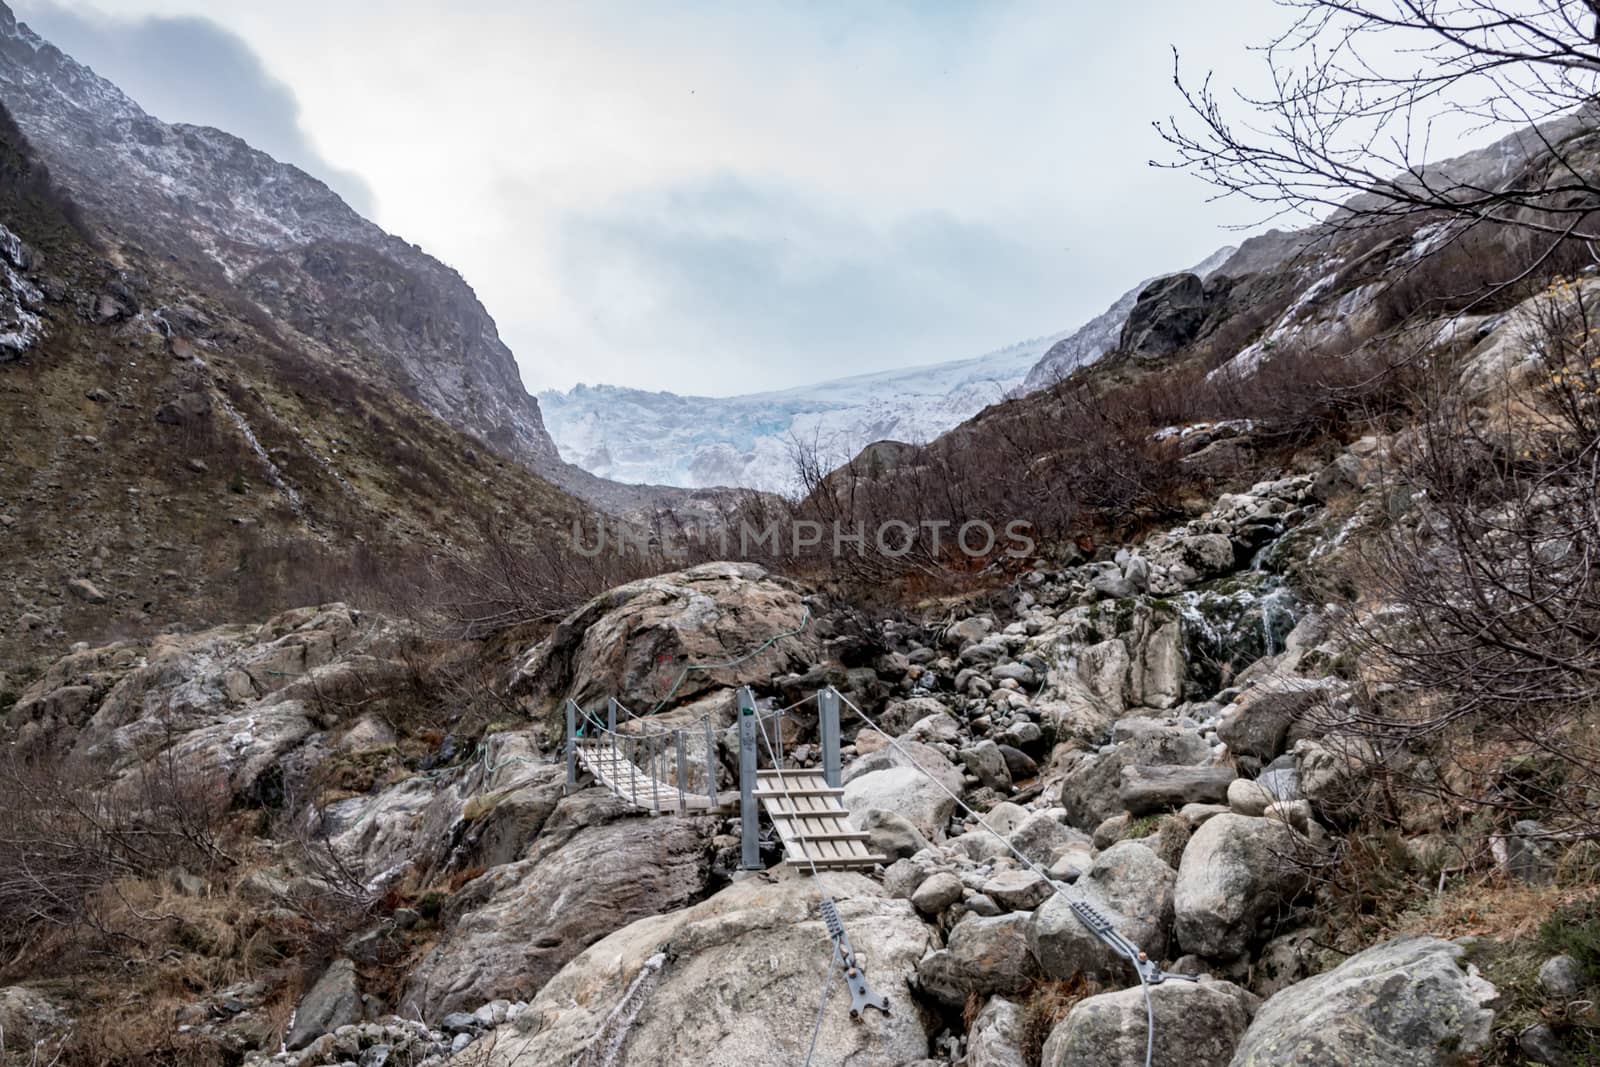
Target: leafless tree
column 1363, row 92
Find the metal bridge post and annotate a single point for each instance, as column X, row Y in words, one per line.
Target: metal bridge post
column 711, row 765
column 749, row 817
column 683, row 772
column 655, row 774
column 828, row 725
column 572, row 745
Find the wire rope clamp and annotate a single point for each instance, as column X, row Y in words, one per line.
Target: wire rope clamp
column 862, row 996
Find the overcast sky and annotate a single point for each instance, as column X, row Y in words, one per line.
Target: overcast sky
column 719, row 197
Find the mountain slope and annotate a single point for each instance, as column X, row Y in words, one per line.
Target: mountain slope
column 376, row 305
column 172, row 452
column 636, row 436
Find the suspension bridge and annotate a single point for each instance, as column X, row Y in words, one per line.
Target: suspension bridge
column 665, row 770
column 662, row 770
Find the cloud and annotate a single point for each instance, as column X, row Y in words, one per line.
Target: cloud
column 715, row 197
column 189, row 69
column 761, row 284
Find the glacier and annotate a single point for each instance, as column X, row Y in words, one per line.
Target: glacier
column 749, row 441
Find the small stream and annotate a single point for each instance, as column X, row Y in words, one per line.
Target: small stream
column 1231, row 622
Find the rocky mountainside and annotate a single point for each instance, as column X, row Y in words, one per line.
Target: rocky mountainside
column 171, row 451
column 1101, row 334
column 214, row 207
column 1148, row 733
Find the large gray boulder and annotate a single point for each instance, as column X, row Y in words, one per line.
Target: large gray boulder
column 1167, row 315
column 985, row 761
column 1235, row 872
column 333, row 1001
column 906, row 791
column 520, row 923
column 1196, row 1023
column 1260, row 721
column 1042, row 837
column 1089, row 790
column 1405, row 1003
column 633, row 641
column 1127, row 883
column 1144, row 790
column 733, row 980
column 899, row 716
column 997, row 1036
column 913, row 754
column 985, row 955
column 1159, row 742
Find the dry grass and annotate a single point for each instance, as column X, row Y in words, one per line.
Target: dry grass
column 1047, row 1003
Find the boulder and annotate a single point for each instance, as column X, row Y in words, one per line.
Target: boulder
column 632, row 642
column 892, row 834
column 938, row 727
column 997, row 1036
column 1019, row 765
column 1128, row 884
column 986, row 763
column 1561, row 977
column 1042, row 837
column 1404, row 1003
column 520, row 923
column 937, row 893
column 1017, row 890
column 1235, row 872
column 905, row 791
column 900, row 716
column 1247, row 797
column 1209, row 555
column 731, row 980
column 912, row 754
column 984, row 956
column 1150, row 789
column 1167, row 315
column 334, row 1001
column 1196, row 1023
column 184, row 408
column 1089, row 789
column 1158, row 742
column 902, row 878
column 1258, row 723
column 1005, row 817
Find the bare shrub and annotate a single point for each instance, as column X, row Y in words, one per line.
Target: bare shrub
column 67, row 839
column 1493, row 658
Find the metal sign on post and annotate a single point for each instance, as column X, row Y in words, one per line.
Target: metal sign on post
column 828, row 726
column 749, row 815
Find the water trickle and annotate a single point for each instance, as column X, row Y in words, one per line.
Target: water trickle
column 274, row 475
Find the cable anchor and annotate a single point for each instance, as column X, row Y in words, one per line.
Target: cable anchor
column 862, row 996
